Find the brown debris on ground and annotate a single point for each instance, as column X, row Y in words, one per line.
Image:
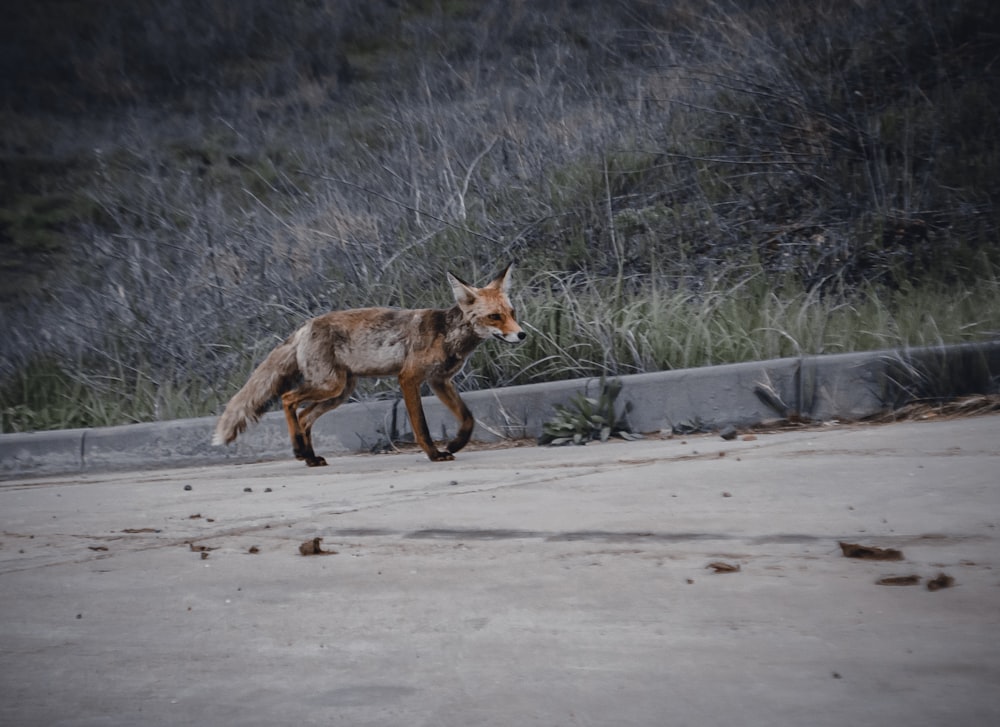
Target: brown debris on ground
column 898, row 581
column 921, row 411
column 312, row 547
column 869, row 552
column 943, row 580
column 723, row 567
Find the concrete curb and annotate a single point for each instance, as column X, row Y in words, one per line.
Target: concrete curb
column 847, row 386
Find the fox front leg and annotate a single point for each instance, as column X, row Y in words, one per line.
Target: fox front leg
column 410, row 386
column 448, row 395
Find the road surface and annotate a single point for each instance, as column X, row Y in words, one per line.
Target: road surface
column 684, row 581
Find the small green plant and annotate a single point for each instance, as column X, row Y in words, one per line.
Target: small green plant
column 587, row 419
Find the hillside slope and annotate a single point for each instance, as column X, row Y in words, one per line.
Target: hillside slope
column 182, row 182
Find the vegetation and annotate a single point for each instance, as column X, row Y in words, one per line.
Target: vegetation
column 679, row 184
column 589, row 418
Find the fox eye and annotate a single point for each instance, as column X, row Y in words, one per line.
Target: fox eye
column 495, row 317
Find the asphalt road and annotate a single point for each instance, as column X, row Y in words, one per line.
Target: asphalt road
column 522, row 586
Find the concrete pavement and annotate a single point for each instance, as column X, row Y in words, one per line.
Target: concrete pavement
column 519, row 586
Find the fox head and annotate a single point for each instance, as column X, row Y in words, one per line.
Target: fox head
column 488, row 309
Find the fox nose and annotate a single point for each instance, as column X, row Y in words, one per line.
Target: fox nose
column 521, row 335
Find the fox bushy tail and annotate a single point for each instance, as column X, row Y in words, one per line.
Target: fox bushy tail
column 276, row 375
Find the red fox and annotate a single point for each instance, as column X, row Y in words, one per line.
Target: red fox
column 318, row 366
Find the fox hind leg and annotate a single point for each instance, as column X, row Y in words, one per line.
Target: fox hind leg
column 301, row 446
column 312, row 411
column 314, row 400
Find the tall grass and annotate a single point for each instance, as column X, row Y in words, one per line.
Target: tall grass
column 584, row 328
column 577, row 327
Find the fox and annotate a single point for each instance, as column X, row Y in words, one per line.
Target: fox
column 317, row 367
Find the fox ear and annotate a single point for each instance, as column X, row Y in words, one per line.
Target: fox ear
column 502, row 281
column 465, row 294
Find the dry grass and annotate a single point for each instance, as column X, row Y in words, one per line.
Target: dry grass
column 679, row 184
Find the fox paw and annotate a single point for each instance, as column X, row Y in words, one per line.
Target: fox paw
column 440, row 456
column 315, row 462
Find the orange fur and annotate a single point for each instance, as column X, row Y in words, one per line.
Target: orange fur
column 317, row 367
